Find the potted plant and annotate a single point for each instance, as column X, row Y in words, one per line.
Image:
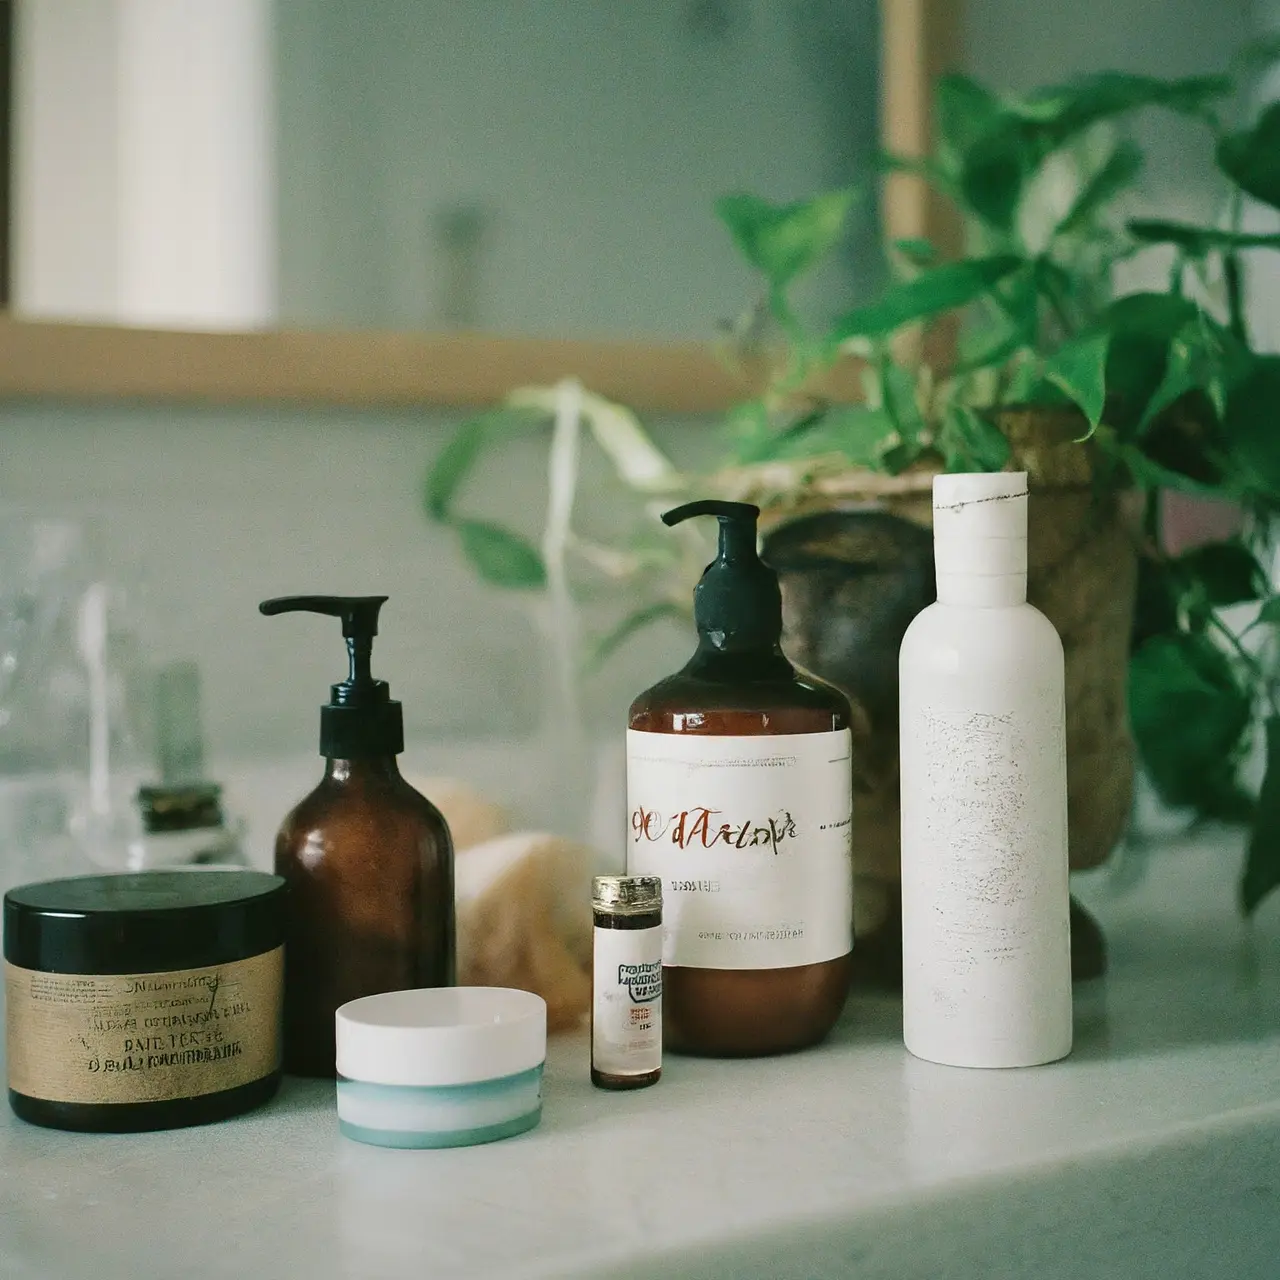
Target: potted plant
column 1016, row 354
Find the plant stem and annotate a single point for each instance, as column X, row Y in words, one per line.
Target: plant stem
column 1234, row 278
column 1057, row 304
column 1232, row 272
column 1259, row 677
column 1151, row 516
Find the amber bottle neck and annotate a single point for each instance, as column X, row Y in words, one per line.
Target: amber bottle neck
column 738, row 666
column 362, row 769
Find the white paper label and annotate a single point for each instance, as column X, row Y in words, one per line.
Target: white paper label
column 752, row 839
column 626, row 1009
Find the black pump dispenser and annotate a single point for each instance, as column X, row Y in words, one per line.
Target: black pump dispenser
column 737, row 605
column 360, row 718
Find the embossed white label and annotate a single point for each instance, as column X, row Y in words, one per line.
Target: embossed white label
column 752, row 839
column 996, row 845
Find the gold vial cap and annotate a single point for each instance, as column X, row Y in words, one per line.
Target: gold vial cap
column 627, row 895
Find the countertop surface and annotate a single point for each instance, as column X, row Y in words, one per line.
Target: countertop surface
column 1154, row 1150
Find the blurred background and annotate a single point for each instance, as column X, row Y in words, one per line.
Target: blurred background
column 541, row 170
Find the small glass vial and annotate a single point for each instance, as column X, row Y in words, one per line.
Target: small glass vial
column 626, row 988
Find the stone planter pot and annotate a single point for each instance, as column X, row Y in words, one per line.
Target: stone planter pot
column 856, row 565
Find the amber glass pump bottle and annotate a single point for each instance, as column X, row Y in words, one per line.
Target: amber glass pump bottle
column 739, row 795
column 368, row 861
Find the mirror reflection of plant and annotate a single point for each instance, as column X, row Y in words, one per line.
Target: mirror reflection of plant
column 1171, row 393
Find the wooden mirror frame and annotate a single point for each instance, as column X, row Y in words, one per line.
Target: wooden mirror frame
column 376, row 369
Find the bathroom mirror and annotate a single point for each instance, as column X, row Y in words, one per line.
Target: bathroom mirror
column 421, row 200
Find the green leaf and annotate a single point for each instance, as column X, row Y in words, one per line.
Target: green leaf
column 857, row 432
column 1066, row 109
column 1270, row 611
column 1149, row 315
column 1193, row 363
column 635, row 621
column 1262, row 859
column 1251, row 157
column 898, row 393
column 1121, row 168
column 1253, row 406
column 1080, row 370
column 1195, row 241
column 969, row 441
column 751, row 431
column 1189, row 716
column 965, row 111
column 1142, row 327
column 1220, row 574
column 1017, row 140
column 783, row 241
column 898, row 457
column 1008, row 324
column 454, row 463
column 992, row 356
column 920, row 253
column 931, row 293
column 995, row 171
column 1027, row 378
column 500, row 556
column 1147, row 473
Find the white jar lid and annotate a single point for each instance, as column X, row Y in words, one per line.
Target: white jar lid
column 441, row 1035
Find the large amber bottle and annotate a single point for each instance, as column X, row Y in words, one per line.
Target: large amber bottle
column 368, row 860
column 739, row 795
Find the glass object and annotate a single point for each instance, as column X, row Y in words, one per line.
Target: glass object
column 626, row 985
column 43, row 572
column 184, row 826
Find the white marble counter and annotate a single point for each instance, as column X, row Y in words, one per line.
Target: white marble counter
column 1154, row 1151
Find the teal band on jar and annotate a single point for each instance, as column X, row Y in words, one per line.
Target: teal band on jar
column 392, row 1115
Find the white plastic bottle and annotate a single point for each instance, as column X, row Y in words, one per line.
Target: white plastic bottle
column 986, row 943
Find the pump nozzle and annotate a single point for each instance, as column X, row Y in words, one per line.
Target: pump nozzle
column 359, row 616
column 360, row 718
column 737, row 605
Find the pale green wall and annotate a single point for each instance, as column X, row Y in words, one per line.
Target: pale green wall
column 217, row 508
column 595, row 133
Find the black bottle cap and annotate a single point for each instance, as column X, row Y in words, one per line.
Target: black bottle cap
column 360, row 718
column 737, row 605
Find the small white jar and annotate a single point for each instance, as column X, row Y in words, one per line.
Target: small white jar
column 440, row 1067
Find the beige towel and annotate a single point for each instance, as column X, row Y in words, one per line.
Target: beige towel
column 524, row 920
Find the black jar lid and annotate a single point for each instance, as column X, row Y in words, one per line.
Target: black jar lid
column 144, row 922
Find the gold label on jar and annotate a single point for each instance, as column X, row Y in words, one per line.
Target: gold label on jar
column 143, row 1037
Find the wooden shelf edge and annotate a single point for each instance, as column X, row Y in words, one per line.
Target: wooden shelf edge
column 356, row 369
column 372, row 369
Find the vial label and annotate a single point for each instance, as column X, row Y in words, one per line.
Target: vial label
column 752, row 839
column 626, row 1010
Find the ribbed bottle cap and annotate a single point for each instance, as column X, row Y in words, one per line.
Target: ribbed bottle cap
column 980, row 537
column 627, row 895
column 983, row 504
